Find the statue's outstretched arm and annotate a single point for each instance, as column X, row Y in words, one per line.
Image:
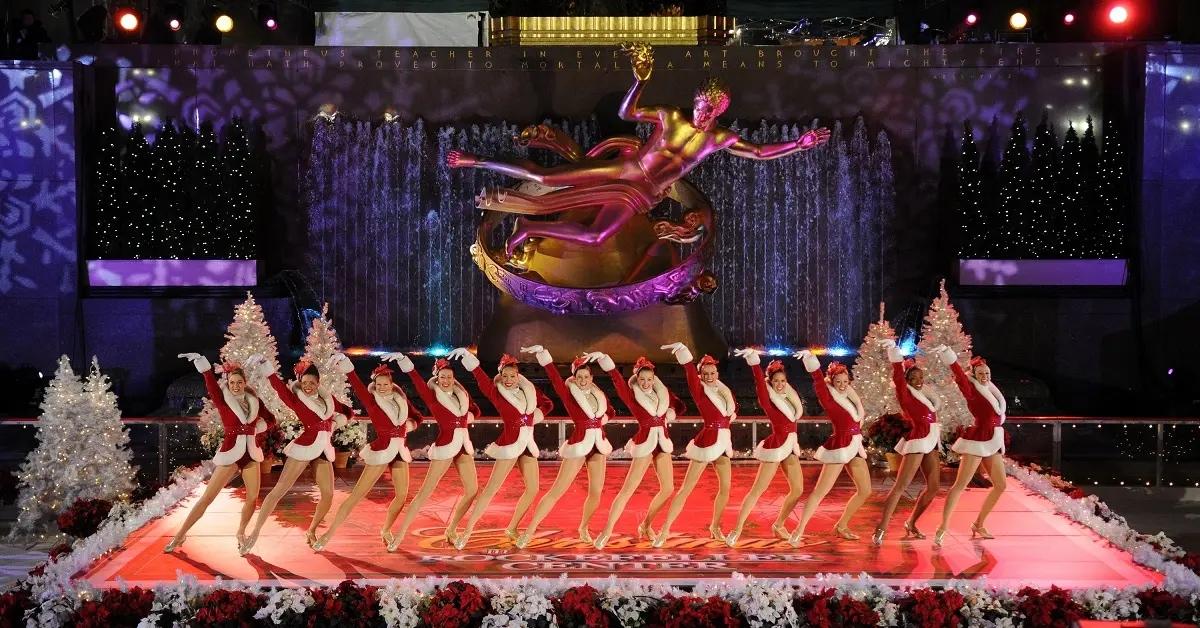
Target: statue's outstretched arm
column 807, row 141
column 629, row 106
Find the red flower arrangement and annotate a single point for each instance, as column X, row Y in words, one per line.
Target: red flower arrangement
column 228, row 609
column 84, row 517
column 359, row 602
column 886, row 431
column 458, row 604
column 1053, row 609
column 13, row 604
column 579, row 607
column 273, row 440
column 828, row 610
column 114, row 608
column 1191, row 560
column 61, row 549
column 1159, row 604
column 697, row 612
column 926, row 607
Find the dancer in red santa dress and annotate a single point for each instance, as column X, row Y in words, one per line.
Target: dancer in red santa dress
column 920, row 449
column 843, row 449
column 243, row 417
column 588, row 408
column 521, row 406
column 320, row 414
column 982, row 443
column 654, row 407
column 394, row 417
column 712, row 445
column 453, row 410
column 783, row 408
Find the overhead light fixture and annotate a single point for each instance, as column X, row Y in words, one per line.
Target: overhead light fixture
column 268, row 15
column 1018, row 20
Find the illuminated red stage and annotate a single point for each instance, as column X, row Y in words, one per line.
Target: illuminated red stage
column 1032, row 545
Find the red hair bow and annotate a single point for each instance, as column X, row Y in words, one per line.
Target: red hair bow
column 231, row 366
column 382, row 369
column 774, row 367
column 642, row 363
column 441, row 363
column 909, row 364
column 708, row 360
column 578, row 363
column 835, row 369
column 303, row 365
column 506, row 360
column 978, row 361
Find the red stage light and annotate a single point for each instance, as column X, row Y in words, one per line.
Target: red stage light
column 128, row 20
column 972, row 19
column 1118, row 14
column 1069, row 19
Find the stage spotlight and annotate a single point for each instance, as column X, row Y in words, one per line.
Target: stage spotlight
column 173, row 13
column 972, row 19
column 1118, row 14
column 223, row 22
column 1069, row 19
column 128, row 20
column 1018, row 21
column 268, row 15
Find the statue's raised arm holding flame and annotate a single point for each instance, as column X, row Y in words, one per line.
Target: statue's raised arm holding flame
column 639, row 177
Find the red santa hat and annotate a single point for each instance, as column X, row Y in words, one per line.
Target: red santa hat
column 977, row 362
column 707, row 360
column 642, row 363
column 578, row 363
column 774, row 367
column 302, row 367
column 506, row 360
column 382, row 369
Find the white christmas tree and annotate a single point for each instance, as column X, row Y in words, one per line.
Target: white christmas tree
column 942, row 327
column 320, row 348
column 873, row 372
column 82, row 451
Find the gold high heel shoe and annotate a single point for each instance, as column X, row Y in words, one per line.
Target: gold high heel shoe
column 245, row 548
column 981, row 531
column 911, row 531
column 394, row 544
column 522, row 541
column 716, row 534
column 451, row 537
column 938, row 537
column 732, row 539
column 310, row 537
column 644, row 531
column 387, row 537
column 877, row 538
column 845, row 533
column 796, row 540
column 601, row 541
column 781, row 532
column 661, row 539
column 320, row 543
column 511, row 534
column 585, row 535
column 174, row 544
column 461, row 541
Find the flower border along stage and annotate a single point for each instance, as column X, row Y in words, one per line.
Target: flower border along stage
column 50, row 597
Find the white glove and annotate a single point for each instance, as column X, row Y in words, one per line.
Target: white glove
column 342, row 364
column 469, row 361
column 401, row 360
column 750, row 354
column 811, row 363
column 948, row 356
column 254, row 365
column 894, row 355
column 682, row 354
column 200, row 362
column 601, row 358
column 887, row 343
column 543, row 356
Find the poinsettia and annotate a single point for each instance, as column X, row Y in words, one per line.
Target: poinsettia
column 828, row 609
column 926, row 607
column 13, row 604
column 886, row 431
column 228, row 609
column 84, row 517
column 1159, row 604
column 1054, row 608
column 114, row 608
column 697, row 612
column 458, row 604
column 579, row 607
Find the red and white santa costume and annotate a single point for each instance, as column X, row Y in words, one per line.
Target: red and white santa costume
column 844, row 412
column 453, row 410
column 783, row 410
column 320, row 414
column 588, row 410
column 393, row 417
column 653, row 409
column 520, row 408
column 987, row 405
column 241, row 424
column 917, row 408
column 717, row 407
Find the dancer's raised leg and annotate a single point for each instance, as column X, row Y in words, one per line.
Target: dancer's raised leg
column 967, row 466
column 794, row 471
column 689, row 484
column 825, row 481
column 323, row 472
column 500, row 470
column 366, row 481
column 437, row 468
column 762, row 479
column 567, row 471
column 596, row 464
column 218, row 480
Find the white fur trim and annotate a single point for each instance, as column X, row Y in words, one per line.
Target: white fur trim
column 920, row 396
column 656, row 437
column 844, row 454
column 524, row 443
column 459, row 443
column 789, row 402
column 929, row 443
column 721, row 397
column 582, row 399
column 849, row 403
column 395, row 406
column 321, row 446
column 723, row 447
column 311, row 401
column 457, row 403
column 244, row 442
column 232, row 402
column 789, row 447
column 526, row 405
column 396, row 447
column 592, row 438
column 983, row 449
column 657, row 403
column 993, row 396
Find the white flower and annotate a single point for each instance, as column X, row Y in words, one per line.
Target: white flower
column 283, row 601
column 517, row 607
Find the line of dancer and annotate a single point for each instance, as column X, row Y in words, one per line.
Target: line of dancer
column 522, row 406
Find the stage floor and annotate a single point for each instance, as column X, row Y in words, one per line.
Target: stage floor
column 1032, row 545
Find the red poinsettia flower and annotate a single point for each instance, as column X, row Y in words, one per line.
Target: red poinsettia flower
column 1054, row 608
column 84, row 517
column 579, row 607
column 926, row 607
column 228, row 609
column 13, row 604
column 458, row 604
column 114, row 608
column 1159, row 604
column 827, row 609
